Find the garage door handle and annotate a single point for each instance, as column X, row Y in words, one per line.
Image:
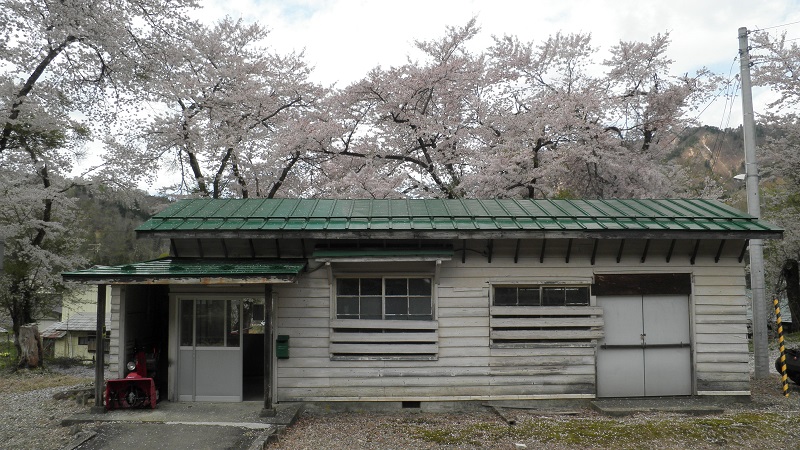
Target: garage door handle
column 676, row 345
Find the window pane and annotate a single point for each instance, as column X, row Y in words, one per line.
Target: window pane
column 528, row 296
column 553, row 296
column 505, row 296
column 419, row 286
column 371, row 308
column 371, row 286
column 396, row 306
column 210, row 323
column 347, row 286
column 577, row 295
column 233, row 324
column 396, row 286
column 187, row 322
column 420, row 306
column 347, row 307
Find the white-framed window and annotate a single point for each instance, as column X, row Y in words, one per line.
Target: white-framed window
column 540, row 295
column 384, row 298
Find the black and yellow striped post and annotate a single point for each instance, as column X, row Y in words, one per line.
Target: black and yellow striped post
column 784, row 377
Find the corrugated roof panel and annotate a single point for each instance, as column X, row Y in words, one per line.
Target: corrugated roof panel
column 444, row 223
column 361, row 209
column 549, row 223
column 425, row 208
column 304, row 209
column 323, row 208
column 456, row 208
column 338, row 223
column 285, row 208
column 464, row 223
column 190, row 224
column 506, row 223
column 342, row 208
column 212, row 224
column 252, row 224
column 381, row 223
column 571, row 208
column 358, row 223
column 399, row 208
column 495, row 208
column 527, row 223
column 380, row 209
column 485, row 223
column 316, row 224
column 295, row 224
column 475, row 208
column 227, row 209
column 274, row 224
column 422, row 223
column 401, row 223
column 439, row 214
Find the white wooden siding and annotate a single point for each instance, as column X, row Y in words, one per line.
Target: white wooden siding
column 470, row 367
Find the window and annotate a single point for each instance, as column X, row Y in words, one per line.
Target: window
column 210, row 323
column 90, row 341
column 384, row 298
column 542, row 295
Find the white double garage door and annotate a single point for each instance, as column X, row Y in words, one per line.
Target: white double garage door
column 646, row 349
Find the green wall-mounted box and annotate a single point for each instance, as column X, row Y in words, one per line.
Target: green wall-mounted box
column 282, row 346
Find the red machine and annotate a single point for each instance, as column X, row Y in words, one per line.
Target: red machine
column 137, row 389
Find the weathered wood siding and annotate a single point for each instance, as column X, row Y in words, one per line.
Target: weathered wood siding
column 469, row 364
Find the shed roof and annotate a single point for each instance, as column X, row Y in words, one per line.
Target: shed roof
column 191, row 271
column 79, row 321
column 444, row 218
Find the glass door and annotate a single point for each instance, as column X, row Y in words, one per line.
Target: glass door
column 210, row 350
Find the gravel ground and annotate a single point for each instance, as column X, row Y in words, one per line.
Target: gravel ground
column 30, row 418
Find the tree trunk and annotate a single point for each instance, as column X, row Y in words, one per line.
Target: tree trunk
column 30, row 343
column 791, row 273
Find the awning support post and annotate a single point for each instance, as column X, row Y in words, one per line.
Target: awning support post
column 100, row 353
column 269, row 341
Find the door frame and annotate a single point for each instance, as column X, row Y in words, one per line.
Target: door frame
column 175, row 347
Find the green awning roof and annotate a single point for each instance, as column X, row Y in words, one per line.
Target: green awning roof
column 443, row 218
column 191, row 271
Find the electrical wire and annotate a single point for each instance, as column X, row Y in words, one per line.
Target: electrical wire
column 774, row 26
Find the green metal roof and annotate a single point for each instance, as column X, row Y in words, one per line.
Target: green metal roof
column 190, row 270
column 327, row 218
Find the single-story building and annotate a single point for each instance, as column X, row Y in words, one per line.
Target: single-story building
column 74, row 337
column 312, row 300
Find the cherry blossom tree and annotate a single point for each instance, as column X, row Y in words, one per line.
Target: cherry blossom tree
column 518, row 119
column 777, row 66
column 68, row 67
column 228, row 114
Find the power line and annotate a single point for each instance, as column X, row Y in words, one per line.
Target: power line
column 774, row 26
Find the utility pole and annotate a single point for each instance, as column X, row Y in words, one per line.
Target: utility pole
column 760, row 348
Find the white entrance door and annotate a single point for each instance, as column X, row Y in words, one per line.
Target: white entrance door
column 646, row 349
column 210, row 352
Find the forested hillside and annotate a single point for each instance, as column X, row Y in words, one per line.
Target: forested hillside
column 106, row 226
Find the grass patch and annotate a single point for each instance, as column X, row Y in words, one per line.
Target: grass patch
column 30, row 380
column 735, row 429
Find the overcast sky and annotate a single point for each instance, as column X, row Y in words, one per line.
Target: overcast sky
column 344, row 39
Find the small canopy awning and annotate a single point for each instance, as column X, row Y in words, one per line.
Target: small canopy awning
column 192, row 271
